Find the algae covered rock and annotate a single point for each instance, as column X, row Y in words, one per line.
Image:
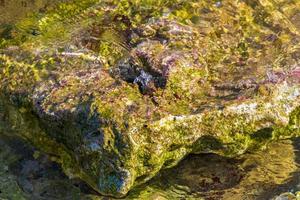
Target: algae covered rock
column 119, row 90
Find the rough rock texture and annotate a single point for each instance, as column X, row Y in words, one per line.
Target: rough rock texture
column 123, row 93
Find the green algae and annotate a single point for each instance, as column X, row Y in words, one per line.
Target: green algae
column 9, row 187
column 257, row 175
column 271, row 176
column 142, row 135
column 28, row 174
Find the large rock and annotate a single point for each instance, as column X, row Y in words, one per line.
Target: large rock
column 116, row 105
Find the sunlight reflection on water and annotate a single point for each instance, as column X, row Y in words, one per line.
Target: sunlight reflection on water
column 260, row 175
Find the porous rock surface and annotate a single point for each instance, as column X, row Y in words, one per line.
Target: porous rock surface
column 219, row 83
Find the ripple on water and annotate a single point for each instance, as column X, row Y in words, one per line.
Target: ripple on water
column 24, row 174
column 260, row 175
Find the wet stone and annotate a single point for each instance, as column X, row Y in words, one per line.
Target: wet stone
column 116, row 110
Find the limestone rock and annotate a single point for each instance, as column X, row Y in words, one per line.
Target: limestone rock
column 177, row 87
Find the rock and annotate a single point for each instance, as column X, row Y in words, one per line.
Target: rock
column 286, row 196
column 178, row 89
column 25, row 177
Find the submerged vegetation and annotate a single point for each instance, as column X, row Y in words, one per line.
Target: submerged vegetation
column 117, row 91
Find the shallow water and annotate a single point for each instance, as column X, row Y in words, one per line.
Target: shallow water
column 13, row 10
column 26, row 173
column 258, row 175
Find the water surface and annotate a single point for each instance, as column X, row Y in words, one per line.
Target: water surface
column 26, row 173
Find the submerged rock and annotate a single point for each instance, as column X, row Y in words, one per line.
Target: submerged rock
column 287, row 196
column 178, row 88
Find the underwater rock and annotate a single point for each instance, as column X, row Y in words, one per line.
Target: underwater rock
column 287, row 196
column 179, row 88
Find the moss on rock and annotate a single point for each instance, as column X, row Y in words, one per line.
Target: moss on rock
column 115, row 111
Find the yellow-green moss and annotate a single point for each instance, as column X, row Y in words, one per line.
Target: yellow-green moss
column 144, row 133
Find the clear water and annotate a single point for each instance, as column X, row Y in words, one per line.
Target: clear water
column 25, row 173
